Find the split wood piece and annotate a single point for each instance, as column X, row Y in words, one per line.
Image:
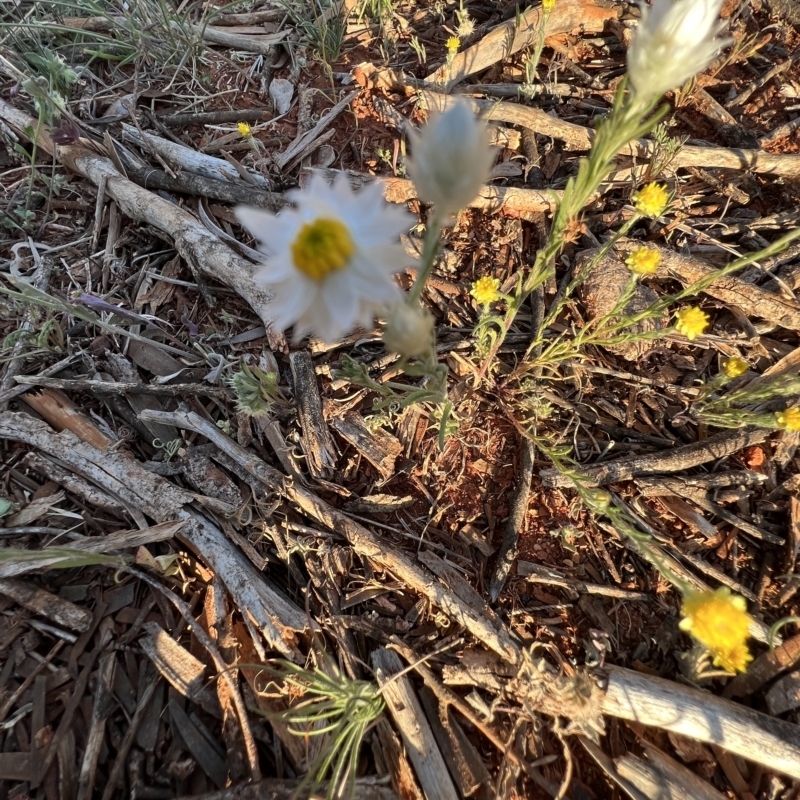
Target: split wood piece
column 493, row 634
column 302, row 144
column 664, row 487
column 378, row 446
column 510, row 200
column 784, row 694
column 261, row 44
column 122, row 370
column 674, row 460
column 610, row 768
column 752, row 300
column 690, row 485
column 282, row 789
column 102, row 388
column 463, row 759
column 318, row 445
column 276, row 617
column 101, row 709
column 223, row 670
column 659, row 703
column 193, row 241
column 73, row 483
column 409, row 718
column 522, row 31
column 537, row 573
column 109, row 543
column 507, row 554
column 185, row 673
column 50, row 605
column 665, row 780
column 683, row 511
column 121, row 758
column 206, row 756
column 199, row 186
column 579, row 138
column 186, row 158
column 63, row 414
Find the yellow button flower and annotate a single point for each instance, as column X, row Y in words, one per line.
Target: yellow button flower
column 452, row 45
column 692, row 322
column 735, row 367
column 644, row 261
column 789, row 420
column 485, row 290
column 548, row 5
column 651, row 200
column 244, row 129
column 720, row 622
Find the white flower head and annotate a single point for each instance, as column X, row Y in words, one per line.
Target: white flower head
column 451, row 159
column 409, row 330
column 331, row 258
column 675, row 40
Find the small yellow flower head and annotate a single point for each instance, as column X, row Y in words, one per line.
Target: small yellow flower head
column 735, row 367
column 644, row 261
column 720, row 622
column 692, row 322
column 789, row 420
column 486, row 290
column 244, row 129
column 548, row 5
column 651, row 200
column 452, row 45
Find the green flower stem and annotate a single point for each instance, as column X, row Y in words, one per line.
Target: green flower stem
column 430, row 248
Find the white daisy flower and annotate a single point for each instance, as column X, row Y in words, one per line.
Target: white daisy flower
column 675, row 40
column 451, row 159
column 331, row 258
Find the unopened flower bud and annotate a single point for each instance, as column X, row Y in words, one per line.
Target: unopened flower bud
column 451, row 159
column 409, row 330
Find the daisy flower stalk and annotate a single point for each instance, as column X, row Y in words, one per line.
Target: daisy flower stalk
column 330, row 260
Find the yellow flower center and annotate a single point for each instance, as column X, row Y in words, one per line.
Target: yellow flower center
column 789, row 420
column 735, row 367
column 719, row 621
column 322, row 247
column 485, row 290
column 692, row 322
column 644, row 261
column 651, row 200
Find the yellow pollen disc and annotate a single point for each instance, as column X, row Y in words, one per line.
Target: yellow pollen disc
column 322, row 247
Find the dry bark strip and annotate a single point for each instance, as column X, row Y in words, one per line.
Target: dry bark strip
column 40, row 601
column 196, row 244
column 318, row 445
column 410, row 720
column 691, row 455
column 277, row 618
column 579, row 138
column 752, row 300
column 512, row 201
column 660, row 703
column 512, row 36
